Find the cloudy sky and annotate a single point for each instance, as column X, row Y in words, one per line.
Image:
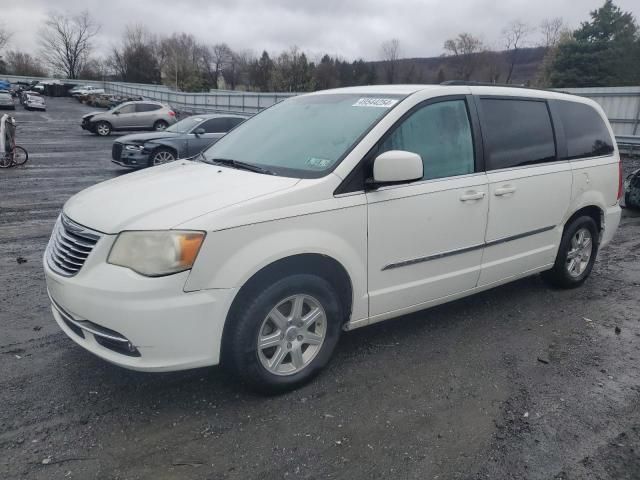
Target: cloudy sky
column 346, row 28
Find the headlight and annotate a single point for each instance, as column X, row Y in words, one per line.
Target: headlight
column 156, row 253
column 134, row 147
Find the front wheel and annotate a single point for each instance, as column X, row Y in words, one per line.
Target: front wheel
column 576, row 254
column 286, row 335
column 161, row 156
column 103, row 129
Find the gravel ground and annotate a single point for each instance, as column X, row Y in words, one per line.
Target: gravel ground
column 519, row 382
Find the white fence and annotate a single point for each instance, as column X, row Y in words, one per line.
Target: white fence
column 213, row 101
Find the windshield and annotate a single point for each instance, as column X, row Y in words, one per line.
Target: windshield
column 184, row 126
column 304, row 137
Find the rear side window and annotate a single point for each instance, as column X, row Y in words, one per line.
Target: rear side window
column 147, row 107
column 441, row 134
column 516, row 133
column 585, row 131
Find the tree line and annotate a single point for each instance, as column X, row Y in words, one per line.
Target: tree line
column 603, row 50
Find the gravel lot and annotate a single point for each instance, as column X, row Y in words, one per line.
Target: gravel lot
column 518, row 382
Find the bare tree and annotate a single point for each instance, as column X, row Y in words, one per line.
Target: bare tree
column 465, row 49
column 390, row 54
column 551, row 30
column 21, row 63
column 136, row 60
column 5, row 35
column 66, row 42
column 219, row 57
column 515, row 37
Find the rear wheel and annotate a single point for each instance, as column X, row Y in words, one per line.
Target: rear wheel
column 20, row 155
column 576, row 254
column 162, row 155
column 160, row 126
column 103, row 129
column 286, row 335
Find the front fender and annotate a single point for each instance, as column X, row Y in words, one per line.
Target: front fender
column 173, row 145
column 229, row 258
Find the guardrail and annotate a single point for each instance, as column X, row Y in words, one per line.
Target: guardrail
column 210, row 102
column 628, row 144
column 220, row 101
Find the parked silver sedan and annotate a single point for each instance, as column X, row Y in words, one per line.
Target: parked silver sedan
column 142, row 115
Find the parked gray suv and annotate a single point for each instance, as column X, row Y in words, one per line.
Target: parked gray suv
column 143, row 115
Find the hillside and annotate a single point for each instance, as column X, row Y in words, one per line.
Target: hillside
column 485, row 67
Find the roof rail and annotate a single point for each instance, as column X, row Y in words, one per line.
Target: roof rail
column 488, row 84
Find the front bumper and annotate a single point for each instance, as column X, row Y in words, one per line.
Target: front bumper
column 153, row 324
column 129, row 158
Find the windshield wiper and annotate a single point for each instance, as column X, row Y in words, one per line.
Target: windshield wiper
column 227, row 162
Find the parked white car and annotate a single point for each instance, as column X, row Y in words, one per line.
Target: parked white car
column 86, row 90
column 328, row 212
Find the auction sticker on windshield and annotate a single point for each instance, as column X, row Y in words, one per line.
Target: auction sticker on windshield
column 375, row 102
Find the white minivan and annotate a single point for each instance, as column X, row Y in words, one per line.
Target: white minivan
column 328, row 212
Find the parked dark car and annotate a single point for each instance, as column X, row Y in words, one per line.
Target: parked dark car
column 184, row 139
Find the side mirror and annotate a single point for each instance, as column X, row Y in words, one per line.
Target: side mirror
column 397, row 166
column 117, row 112
column 199, row 131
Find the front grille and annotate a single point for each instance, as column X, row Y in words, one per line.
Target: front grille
column 116, row 151
column 69, row 246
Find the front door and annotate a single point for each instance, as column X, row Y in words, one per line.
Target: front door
column 214, row 129
column 123, row 117
column 426, row 238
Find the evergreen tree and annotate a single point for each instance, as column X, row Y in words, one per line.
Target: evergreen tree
column 602, row 52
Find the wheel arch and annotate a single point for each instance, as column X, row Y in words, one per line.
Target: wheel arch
column 592, row 211
column 310, row 263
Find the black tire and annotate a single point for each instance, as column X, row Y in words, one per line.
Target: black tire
column 20, row 155
column 154, row 158
column 559, row 276
column 240, row 349
column 160, row 126
column 102, row 128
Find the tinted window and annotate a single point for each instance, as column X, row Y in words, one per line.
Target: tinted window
column 126, row 108
column 215, row 125
column 441, row 134
column 233, row 121
column 516, row 132
column 585, row 131
column 147, row 107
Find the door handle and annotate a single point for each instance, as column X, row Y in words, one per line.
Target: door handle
column 472, row 195
column 504, row 190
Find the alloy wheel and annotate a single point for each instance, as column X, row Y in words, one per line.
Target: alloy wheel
column 163, row 157
column 291, row 335
column 580, row 252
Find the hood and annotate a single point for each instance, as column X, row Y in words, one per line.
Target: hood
column 145, row 137
column 162, row 197
column 92, row 114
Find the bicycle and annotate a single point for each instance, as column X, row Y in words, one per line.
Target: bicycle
column 15, row 157
column 10, row 154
